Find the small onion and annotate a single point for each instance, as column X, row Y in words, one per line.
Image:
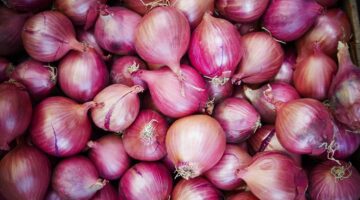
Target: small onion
column 88, row 38
column 195, row 144
column 76, row 178
column 24, row 173
column 122, row 68
column 146, row 180
column 60, row 126
column 287, row 68
column 15, row 112
column 347, row 142
column 108, row 192
column 5, row 69
column 145, row 138
column 238, row 118
column 242, row 196
column 109, row 156
column 28, row 5
column 120, row 105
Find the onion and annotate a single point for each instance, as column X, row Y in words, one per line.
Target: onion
column 195, row 144
column 273, row 175
column 81, row 13
column 146, row 180
column 288, row 20
column 261, row 61
column 242, row 196
column 219, row 89
column 142, row 6
column 330, row 28
column 279, row 91
column 223, row 174
column 344, row 92
column 5, row 69
column 24, row 173
column 198, row 188
column 347, row 142
column 162, row 37
column 249, row 27
column 48, row 36
column 109, row 156
column 328, row 180
column 76, row 178
column 238, row 118
column 38, row 78
column 28, row 5
column 11, row 25
column 194, row 10
column 82, row 75
column 215, row 48
column 88, row 38
column 120, row 106
column 327, row 3
column 15, row 112
column 52, row 195
column 108, row 192
column 287, row 68
column 242, row 10
column 115, row 30
column 145, row 138
column 173, row 97
column 60, row 126
column 123, row 67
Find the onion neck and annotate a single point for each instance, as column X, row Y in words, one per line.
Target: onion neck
column 250, row 93
column 92, row 144
column 78, row 46
column 100, row 183
column 186, row 170
column 345, row 63
column 53, row 74
column 341, row 172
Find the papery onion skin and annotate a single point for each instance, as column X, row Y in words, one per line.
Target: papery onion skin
column 16, row 112
column 76, row 178
column 242, row 196
column 215, row 47
column 242, row 10
column 276, row 172
column 287, row 68
column 108, row 192
column 28, row 5
column 347, row 142
column 122, row 68
column 82, row 75
column 61, row 127
column 146, row 180
column 238, row 118
column 223, row 174
column 120, row 106
column 109, row 156
column 198, row 188
column 38, row 78
column 261, row 61
column 288, row 20
column 5, row 68
column 162, row 37
column 324, row 185
column 25, row 172
column 195, row 144
column 145, row 139
column 88, row 38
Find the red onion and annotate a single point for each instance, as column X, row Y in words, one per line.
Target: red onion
column 28, row 5
column 24, row 173
column 279, row 91
column 328, row 180
column 123, row 67
column 242, row 196
column 223, row 174
column 173, row 97
column 287, row 68
column 109, row 156
column 115, row 30
column 330, row 28
column 327, row 3
column 219, row 89
column 81, row 13
column 108, row 192
column 288, row 20
column 120, row 106
column 76, row 178
column 88, row 38
column 346, row 141
column 146, row 180
column 198, row 188
column 48, row 36
column 344, row 91
column 60, row 126
column 215, row 47
column 242, row 10
column 38, row 78
column 261, row 61
column 240, row 92
column 162, row 37
column 273, row 175
column 52, row 195
column 11, row 25
column 245, row 28
column 15, row 112
column 145, row 138
column 195, row 144
column 238, row 118
column 5, row 69
column 143, row 6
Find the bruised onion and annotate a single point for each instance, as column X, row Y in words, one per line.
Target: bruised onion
column 60, row 126
column 109, row 156
column 119, row 106
column 88, row 38
column 287, row 68
column 76, row 178
column 28, row 5
column 346, row 141
column 108, row 192
column 261, row 61
column 242, row 196
column 15, row 112
column 5, row 69
column 24, row 173
column 197, row 188
column 238, row 118
column 195, row 144
column 123, row 67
